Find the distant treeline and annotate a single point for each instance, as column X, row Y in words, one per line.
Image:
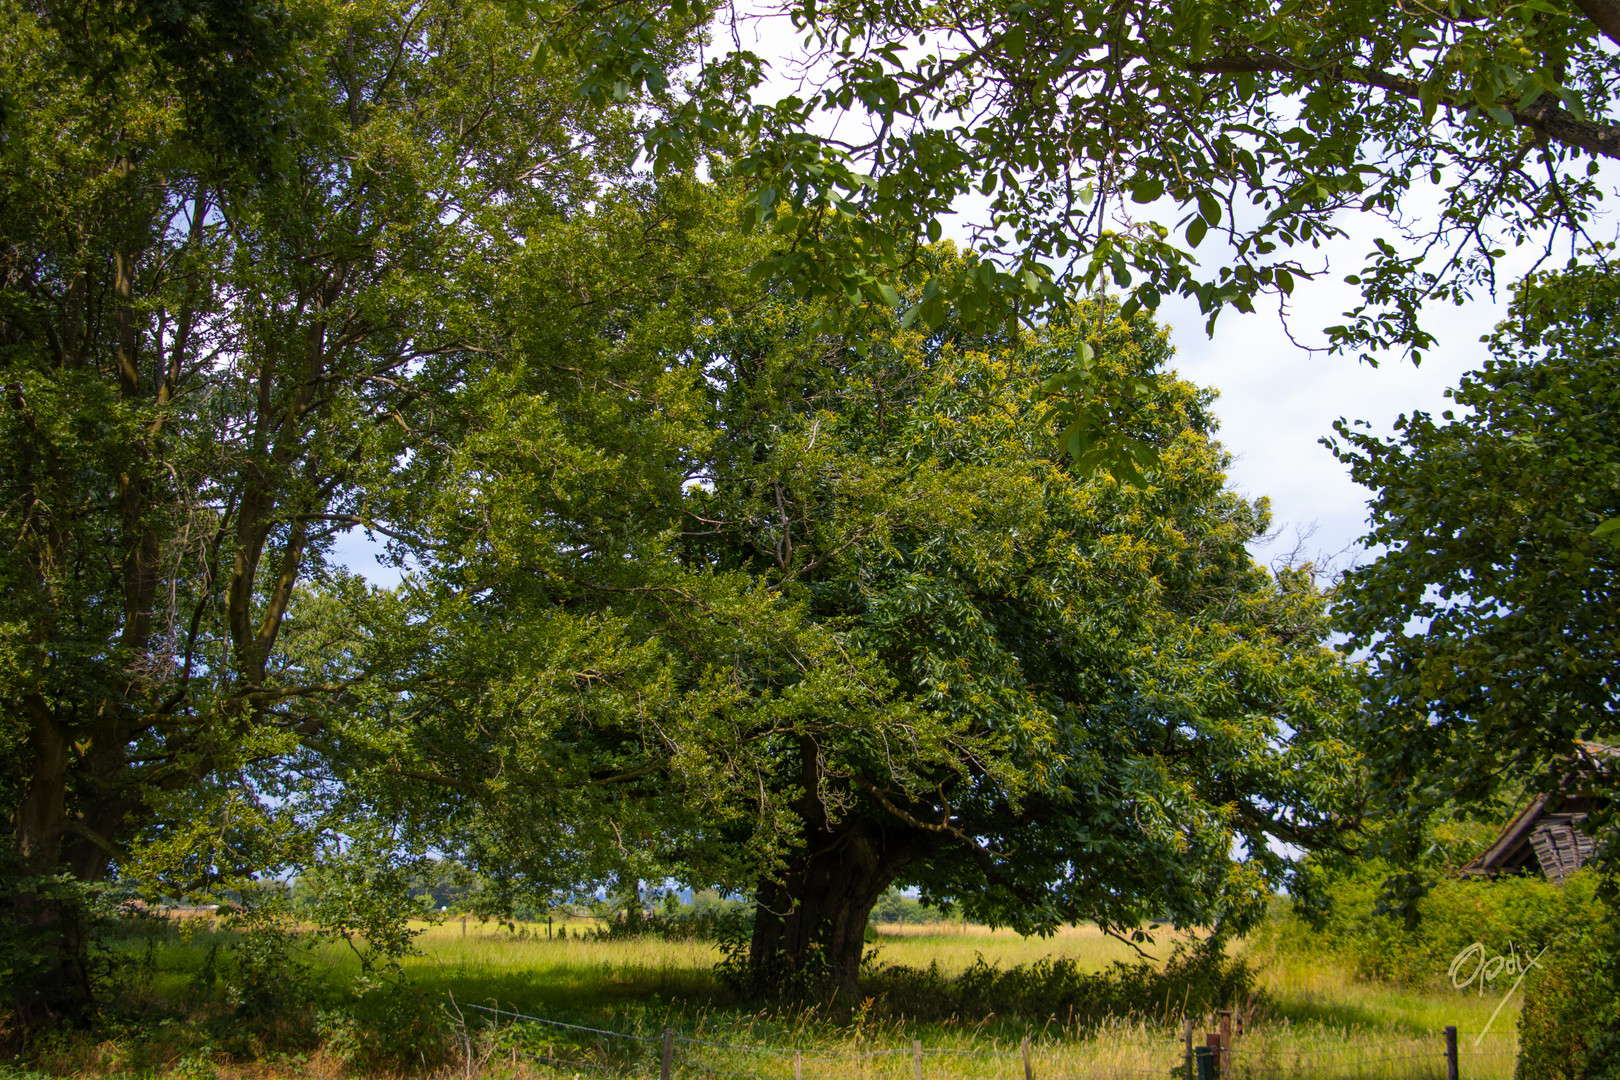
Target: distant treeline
column 444, row 888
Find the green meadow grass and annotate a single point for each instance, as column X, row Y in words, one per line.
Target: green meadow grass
column 1316, row 1020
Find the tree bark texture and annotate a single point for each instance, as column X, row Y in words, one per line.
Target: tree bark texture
column 810, row 925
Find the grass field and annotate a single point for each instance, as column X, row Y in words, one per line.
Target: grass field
column 1314, row 1021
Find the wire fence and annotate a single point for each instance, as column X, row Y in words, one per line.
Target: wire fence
column 578, row 1048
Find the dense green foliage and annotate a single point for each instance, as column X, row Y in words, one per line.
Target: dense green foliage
column 1569, row 1028
column 776, row 588
column 1262, row 122
column 1512, row 916
column 1492, row 618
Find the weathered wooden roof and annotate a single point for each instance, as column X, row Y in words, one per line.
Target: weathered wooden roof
column 1547, row 835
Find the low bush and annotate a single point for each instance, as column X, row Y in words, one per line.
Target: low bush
column 1510, row 916
column 1193, row 981
column 685, row 924
column 391, row 1028
column 1569, row 1028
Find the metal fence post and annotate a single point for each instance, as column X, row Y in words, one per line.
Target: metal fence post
column 1451, row 1052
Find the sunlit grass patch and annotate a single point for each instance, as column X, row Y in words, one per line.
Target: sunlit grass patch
column 955, row 949
column 1318, row 990
column 1315, row 1019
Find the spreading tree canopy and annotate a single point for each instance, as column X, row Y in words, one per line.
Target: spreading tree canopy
column 815, row 614
column 1116, row 714
column 1252, row 128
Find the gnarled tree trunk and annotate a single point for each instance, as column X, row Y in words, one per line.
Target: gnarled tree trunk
column 810, row 925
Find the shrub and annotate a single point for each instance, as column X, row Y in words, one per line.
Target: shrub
column 1569, row 1028
column 695, row 923
column 390, row 1028
column 1510, row 913
column 1192, row 981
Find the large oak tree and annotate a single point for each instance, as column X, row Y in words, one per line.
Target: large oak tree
column 1116, row 715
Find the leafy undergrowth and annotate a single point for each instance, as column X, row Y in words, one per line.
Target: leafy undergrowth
column 1193, row 981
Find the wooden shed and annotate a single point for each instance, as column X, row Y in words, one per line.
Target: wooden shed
column 1548, row 836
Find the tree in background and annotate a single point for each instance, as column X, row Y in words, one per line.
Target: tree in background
column 244, row 255
column 1491, row 621
column 1110, row 712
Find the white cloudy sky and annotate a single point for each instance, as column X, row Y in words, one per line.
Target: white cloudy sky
column 1277, row 401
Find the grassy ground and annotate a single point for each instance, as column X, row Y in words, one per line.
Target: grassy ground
column 1316, row 1021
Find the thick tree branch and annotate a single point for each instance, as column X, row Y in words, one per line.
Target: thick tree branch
column 1544, row 115
column 1605, row 15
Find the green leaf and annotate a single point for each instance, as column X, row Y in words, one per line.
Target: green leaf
column 1145, row 191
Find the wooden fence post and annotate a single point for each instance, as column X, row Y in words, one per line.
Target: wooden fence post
column 1451, row 1052
column 1186, row 1038
column 1226, row 1043
column 916, row 1058
column 669, row 1054
column 1029, row 1071
column 464, row 926
column 798, row 1065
